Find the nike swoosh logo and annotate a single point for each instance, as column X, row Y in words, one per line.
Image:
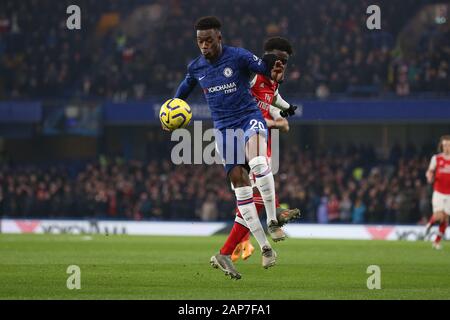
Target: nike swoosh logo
column 201, row 78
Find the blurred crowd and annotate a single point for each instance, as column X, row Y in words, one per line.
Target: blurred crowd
column 353, row 186
column 137, row 48
column 342, row 185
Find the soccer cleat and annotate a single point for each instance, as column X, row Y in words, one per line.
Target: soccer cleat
column 269, row 257
column 436, row 246
column 247, row 249
column 224, row 263
column 275, row 231
column 286, row 215
column 237, row 252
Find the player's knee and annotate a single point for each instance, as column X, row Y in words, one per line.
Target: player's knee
column 259, row 165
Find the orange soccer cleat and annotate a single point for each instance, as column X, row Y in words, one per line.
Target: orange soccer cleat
column 247, row 249
column 237, row 252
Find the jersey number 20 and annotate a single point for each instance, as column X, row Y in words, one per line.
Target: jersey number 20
column 255, row 123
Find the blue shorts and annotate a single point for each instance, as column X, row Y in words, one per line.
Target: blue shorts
column 230, row 142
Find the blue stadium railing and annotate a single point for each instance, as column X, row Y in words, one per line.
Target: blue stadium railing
column 87, row 116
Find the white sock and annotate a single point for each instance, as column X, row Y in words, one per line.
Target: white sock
column 247, row 208
column 265, row 184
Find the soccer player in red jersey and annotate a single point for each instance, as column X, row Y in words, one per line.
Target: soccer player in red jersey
column 275, row 110
column 439, row 172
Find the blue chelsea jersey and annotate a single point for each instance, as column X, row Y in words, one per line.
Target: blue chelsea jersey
column 225, row 84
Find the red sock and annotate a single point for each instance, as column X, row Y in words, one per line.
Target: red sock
column 246, row 237
column 236, row 235
column 442, row 228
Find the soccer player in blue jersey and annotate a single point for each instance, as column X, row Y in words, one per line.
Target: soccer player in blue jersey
column 224, row 74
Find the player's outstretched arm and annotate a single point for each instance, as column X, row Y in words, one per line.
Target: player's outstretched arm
column 278, row 121
column 185, row 89
column 186, row 86
column 286, row 108
column 268, row 67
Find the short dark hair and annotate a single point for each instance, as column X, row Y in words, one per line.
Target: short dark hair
column 278, row 43
column 209, row 22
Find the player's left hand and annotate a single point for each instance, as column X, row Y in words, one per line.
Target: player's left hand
column 289, row 112
column 277, row 72
column 164, row 128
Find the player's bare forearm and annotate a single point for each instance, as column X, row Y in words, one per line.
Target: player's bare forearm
column 281, row 124
column 430, row 175
column 270, row 123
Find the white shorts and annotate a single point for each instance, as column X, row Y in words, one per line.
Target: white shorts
column 441, row 202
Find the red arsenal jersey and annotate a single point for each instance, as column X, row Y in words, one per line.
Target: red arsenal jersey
column 263, row 89
column 442, row 174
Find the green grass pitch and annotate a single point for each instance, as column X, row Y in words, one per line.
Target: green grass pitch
column 138, row 267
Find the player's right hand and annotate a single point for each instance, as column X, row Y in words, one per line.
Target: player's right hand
column 289, row 112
